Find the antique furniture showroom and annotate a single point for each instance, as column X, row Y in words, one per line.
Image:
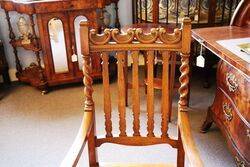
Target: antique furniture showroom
column 124, row 83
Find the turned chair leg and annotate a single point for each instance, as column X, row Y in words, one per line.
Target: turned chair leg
column 93, row 159
column 180, row 152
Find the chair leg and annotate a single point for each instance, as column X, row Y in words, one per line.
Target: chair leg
column 93, row 159
column 180, row 152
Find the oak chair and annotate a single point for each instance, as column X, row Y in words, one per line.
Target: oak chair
column 134, row 41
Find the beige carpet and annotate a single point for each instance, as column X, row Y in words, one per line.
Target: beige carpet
column 37, row 131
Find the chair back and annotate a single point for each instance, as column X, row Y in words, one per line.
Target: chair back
column 132, row 42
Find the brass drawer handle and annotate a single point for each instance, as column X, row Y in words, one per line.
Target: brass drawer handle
column 231, row 82
column 228, row 112
column 239, row 163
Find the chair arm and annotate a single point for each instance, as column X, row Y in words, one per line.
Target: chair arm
column 73, row 155
column 187, row 139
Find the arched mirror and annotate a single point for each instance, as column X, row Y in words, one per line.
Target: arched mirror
column 77, row 21
column 57, row 43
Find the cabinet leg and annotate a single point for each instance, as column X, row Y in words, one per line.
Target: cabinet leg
column 44, row 88
column 45, row 91
column 6, row 77
column 208, row 122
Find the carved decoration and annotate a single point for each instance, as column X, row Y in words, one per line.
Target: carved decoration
column 34, row 75
column 239, row 163
column 147, row 38
column 248, row 134
column 169, row 38
column 123, row 38
column 156, row 35
column 100, row 39
column 12, row 38
column 227, row 112
column 231, row 82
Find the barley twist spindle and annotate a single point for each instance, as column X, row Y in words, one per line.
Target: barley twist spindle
column 87, row 81
column 184, row 80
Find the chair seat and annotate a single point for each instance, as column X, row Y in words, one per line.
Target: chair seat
column 135, row 165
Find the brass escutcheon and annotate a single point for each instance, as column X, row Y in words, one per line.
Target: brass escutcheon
column 227, row 112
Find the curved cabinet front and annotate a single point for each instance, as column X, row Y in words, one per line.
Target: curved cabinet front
column 231, row 111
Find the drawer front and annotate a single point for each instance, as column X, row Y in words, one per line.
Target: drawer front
column 62, row 6
column 233, row 123
column 237, row 86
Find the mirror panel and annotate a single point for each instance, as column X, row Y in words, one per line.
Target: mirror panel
column 57, row 43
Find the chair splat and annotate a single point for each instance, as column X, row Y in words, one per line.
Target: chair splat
column 121, row 93
column 165, row 111
column 150, row 93
column 135, row 95
column 106, row 92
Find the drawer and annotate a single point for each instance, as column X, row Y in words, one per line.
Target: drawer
column 237, row 87
column 237, row 127
column 51, row 6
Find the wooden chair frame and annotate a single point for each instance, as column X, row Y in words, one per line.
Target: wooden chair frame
column 135, row 40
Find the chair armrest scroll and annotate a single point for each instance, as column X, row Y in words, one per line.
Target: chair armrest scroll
column 73, row 155
column 189, row 146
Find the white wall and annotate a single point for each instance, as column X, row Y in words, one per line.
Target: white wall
column 26, row 57
column 125, row 12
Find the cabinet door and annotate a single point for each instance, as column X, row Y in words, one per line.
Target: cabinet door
column 75, row 18
column 56, row 44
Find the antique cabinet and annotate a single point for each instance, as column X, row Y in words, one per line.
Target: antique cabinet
column 231, row 110
column 58, row 39
column 231, row 107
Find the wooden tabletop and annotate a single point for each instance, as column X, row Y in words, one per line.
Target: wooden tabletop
column 210, row 35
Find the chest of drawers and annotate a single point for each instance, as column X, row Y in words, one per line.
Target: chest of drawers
column 231, row 110
column 231, row 107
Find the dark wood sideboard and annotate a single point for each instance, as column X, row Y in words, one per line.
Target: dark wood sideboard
column 231, row 107
column 65, row 12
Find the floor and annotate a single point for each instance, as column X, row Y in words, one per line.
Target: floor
column 38, row 130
